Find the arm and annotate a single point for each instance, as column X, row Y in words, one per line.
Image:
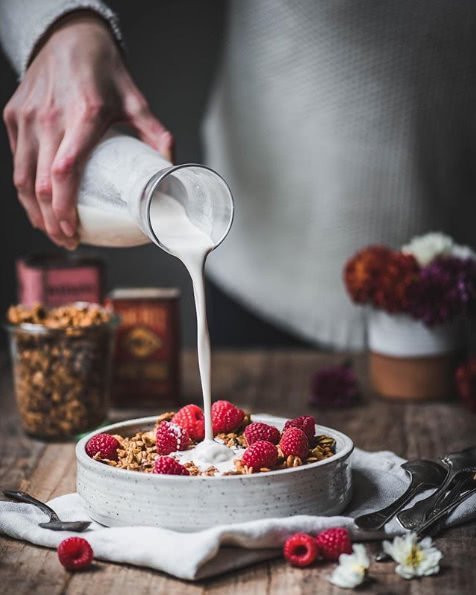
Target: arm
column 74, row 87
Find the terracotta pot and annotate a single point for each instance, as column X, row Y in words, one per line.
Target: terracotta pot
column 422, row 378
column 409, row 360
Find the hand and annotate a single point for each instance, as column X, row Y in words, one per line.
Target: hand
column 75, row 88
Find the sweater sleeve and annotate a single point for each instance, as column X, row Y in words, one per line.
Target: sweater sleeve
column 24, row 22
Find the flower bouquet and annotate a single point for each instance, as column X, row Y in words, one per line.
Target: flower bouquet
column 419, row 299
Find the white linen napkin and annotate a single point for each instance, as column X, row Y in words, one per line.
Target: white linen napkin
column 377, row 479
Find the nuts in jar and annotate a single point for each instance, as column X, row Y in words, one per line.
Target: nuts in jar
column 61, row 361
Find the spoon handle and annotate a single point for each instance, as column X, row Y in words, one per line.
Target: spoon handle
column 20, row 496
column 376, row 520
column 436, row 520
column 420, row 512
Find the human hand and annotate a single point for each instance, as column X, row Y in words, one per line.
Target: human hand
column 75, row 88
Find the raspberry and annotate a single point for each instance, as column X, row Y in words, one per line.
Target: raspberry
column 306, row 423
column 226, row 417
column 170, row 437
column 294, row 442
column 334, row 542
column 261, row 454
column 75, row 553
column 103, row 444
column 259, row 431
column 300, row 549
column 190, row 418
column 169, row 466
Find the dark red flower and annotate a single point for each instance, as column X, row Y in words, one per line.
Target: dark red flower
column 444, row 291
column 400, row 273
column 334, row 386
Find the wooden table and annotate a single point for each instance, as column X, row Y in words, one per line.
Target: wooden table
column 275, row 382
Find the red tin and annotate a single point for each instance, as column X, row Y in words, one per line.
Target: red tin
column 146, row 369
column 53, row 280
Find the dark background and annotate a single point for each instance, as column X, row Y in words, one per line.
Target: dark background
column 173, row 50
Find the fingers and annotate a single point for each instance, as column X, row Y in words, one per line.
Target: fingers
column 49, row 142
column 149, row 128
column 24, row 175
column 78, row 141
column 32, row 159
column 9, row 119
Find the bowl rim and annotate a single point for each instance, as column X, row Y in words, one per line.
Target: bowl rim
column 93, row 465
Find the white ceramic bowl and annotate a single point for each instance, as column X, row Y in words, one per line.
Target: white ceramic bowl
column 117, row 497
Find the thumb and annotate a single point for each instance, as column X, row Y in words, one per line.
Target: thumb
column 152, row 131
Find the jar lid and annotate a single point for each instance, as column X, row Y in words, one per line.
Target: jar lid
column 52, row 260
column 144, row 293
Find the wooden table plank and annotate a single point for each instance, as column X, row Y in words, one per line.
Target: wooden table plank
column 275, row 382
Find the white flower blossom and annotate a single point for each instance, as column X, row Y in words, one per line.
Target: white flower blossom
column 414, row 558
column 428, row 247
column 434, row 244
column 463, row 252
column 352, row 569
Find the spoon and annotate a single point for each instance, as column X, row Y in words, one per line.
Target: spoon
column 55, row 524
column 424, row 475
column 455, row 463
column 461, row 490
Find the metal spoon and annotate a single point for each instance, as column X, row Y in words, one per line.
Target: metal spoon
column 55, row 524
column 455, row 463
column 461, row 490
column 424, row 475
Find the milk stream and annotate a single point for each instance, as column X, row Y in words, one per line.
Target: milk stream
column 191, row 245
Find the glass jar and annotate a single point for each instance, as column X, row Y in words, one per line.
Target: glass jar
column 61, row 376
column 124, row 179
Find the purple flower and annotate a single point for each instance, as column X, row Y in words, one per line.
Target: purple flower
column 334, row 386
column 444, row 291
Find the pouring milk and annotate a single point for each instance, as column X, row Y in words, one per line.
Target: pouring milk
column 130, row 195
column 192, row 246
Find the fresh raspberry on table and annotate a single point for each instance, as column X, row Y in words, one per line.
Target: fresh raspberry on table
column 260, row 431
column 75, row 553
column 170, row 437
column 191, row 418
column 331, row 543
column 103, row 444
column 300, row 549
column 169, row 466
column 294, row 442
column 260, row 455
column 306, row 423
column 226, row 417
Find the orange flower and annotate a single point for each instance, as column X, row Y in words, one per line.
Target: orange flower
column 363, row 272
column 380, row 276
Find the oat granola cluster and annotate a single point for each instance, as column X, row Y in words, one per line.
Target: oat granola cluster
column 62, row 317
column 61, row 360
column 140, row 452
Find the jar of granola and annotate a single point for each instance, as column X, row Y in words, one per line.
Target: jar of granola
column 61, row 361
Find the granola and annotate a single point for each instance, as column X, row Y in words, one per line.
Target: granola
column 138, row 452
column 61, row 360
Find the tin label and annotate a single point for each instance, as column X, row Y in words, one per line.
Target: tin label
column 81, row 284
column 54, row 286
column 146, row 364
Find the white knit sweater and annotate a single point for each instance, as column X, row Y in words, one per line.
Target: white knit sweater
column 337, row 123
